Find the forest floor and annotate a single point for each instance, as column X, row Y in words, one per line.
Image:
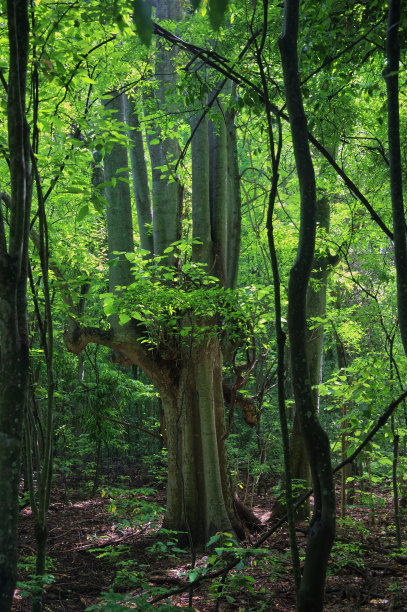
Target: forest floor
column 111, row 544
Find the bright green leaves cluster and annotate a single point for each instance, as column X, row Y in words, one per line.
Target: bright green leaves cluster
column 365, row 387
column 221, row 548
column 132, row 508
column 171, row 302
column 183, row 303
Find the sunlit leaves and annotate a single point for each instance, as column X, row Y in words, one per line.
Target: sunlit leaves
column 82, row 213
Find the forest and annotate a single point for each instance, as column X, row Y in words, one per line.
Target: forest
column 203, row 305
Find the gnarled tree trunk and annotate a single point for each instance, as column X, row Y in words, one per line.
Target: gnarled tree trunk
column 199, row 500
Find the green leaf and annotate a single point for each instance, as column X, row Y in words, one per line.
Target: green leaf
column 109, row 307
column 74, row 189
column 192, row 576
column 123, row 319
column 98, row 204
column 142, row 20
column 87, row 79
column 104, row 184
column 214, row 538
column 138, row 316
column 82, row 213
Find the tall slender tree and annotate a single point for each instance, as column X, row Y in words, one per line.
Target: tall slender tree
column 322, row 527
column 13, row 298
column 391, row 75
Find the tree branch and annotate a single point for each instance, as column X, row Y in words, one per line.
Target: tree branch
column 220, row 64
column 125, row 340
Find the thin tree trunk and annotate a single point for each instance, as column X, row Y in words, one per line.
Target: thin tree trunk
column 322, row 526
column 14, row 363
column 391, row 75
column 234, row 198
column 201, row 218
column 396, row 439
column 218, row 197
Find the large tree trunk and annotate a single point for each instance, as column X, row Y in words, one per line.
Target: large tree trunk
column 14, row 364
column 322, row 527
column 199, row 500
column 199, row 497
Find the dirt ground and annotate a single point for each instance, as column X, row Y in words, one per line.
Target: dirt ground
column 366, row 572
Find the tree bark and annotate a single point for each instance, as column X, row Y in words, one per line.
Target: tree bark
column 199, row 500
column 141, row 188
column 322, row 526
column 162, row 148
column 201, row 218
column 391, row 75
column 234, row 199
column 218, row 197
column 14, row 363
column 119, row 216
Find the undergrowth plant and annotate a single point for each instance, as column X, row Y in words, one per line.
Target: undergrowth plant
column 131, row 507
column 33, row 584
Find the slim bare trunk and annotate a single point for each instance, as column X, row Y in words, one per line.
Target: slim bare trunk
column 14, row 365
column 322, row 526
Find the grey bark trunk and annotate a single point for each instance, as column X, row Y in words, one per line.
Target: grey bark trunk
column 234, row 199
column 207, row 358
column 119, row 216
column 199, row 498
column 141, row 187
column 163, row 149
column 201, row 219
